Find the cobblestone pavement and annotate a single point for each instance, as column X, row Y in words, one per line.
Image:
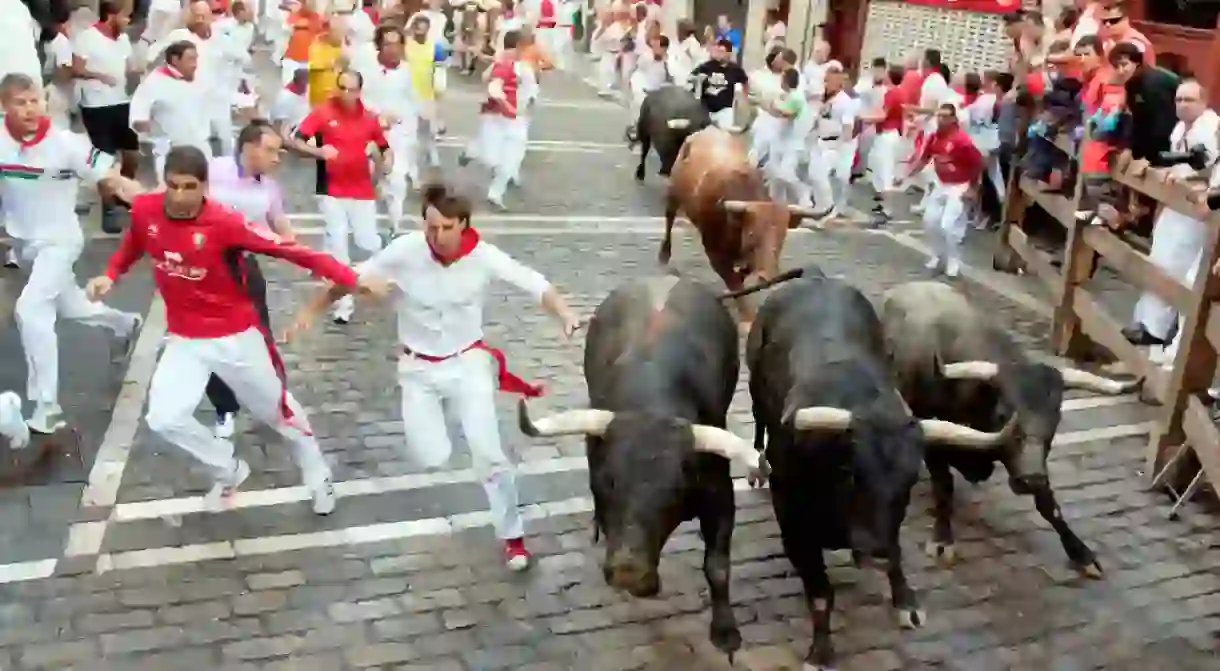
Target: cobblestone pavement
column 405, row 574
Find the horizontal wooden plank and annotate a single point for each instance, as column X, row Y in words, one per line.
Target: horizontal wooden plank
column 1105, row 331
column 1136, row 268
column 1152, row 184
column 1060, row 207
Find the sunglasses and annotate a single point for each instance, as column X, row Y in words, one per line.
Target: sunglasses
column 1185, row 99
column 1113, row 20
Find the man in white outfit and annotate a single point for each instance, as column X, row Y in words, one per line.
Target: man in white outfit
column 18, row 53
column 651, row 73
column 833, row 144
column 388, row 92
column 1177, row 236
column 42, row 168
column 167, row 104
column 442, row 276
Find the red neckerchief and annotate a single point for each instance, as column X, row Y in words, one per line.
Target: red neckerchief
column 969, row 98
column 27, row 141
column 470, row 240
column 386, row 67
column 296, row 88
column 106, row 29
column 170, row 72
column 373, row 14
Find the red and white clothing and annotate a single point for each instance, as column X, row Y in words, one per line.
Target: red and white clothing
column 886, row 151
column 214, row 328
column 504, row 123
column 40, row 180
column 61, row 96
column 344, row 185
column 218, row 57
column 291, row 106
column 553, row 21
column 832, row 149
column 608, row 46
column 171, row 106
column 957, row 165
column 445, row 364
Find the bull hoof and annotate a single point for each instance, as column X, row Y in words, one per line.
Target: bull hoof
column 726, row 640
column 944, row 553
column 1091, row 571
column 639, row 174
column 912, row 618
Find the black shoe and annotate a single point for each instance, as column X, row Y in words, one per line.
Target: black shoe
column 463, row 160
column 112, row 220
column 1139, row 336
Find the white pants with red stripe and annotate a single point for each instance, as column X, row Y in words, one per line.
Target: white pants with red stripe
column 243, row 361
column 50, row 292
column 346, row 217
column 462, row 388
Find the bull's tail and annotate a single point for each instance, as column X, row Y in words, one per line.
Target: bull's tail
column 794, row 274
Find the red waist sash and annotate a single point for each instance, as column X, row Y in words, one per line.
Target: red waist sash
column 507, row 380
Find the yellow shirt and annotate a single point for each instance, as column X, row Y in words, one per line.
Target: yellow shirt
column 323, row 76
column 421, row 58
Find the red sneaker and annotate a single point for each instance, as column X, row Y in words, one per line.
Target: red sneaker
column 516, row 557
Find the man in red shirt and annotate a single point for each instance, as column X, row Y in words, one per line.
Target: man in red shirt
column 196, row 247
column 958, row 165
column 886, row 151
column 338, row 133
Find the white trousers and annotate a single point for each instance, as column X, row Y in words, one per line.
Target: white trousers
column 723, row 118
column 51, row 291
column 221, row 119
column 607, row 72
column 346, row 217
column 640, row 88
column 782, row 172
column 763, row 135
column 942, row 220
column 500, row 145
column 243, row 361
column 830, row 171
column 464, row 388
column 557, row 42
column 403, row 140
column 883, row 158
column 1176, row 240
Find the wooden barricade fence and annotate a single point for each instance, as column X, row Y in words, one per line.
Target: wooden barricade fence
column 1081, row 326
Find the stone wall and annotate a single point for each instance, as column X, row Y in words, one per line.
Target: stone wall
column 971, row 40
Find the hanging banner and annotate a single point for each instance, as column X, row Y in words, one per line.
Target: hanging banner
column 990, row 6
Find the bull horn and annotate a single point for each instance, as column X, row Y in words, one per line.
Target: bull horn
column 809, row 212
column 572, row 422
column 940, row 431
column 1080, row 379
column 735, row 205
column 714, row 440
column 983, row 371
column 734, row 130
column 678, row 124
column 829, row 419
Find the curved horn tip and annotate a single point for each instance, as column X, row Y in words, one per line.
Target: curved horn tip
column 735, row 205
column 678, row 124
column 831, row 419
column 970, row 370
column 524, row 422
column 964, row 436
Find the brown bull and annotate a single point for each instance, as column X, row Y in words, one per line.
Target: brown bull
column 714, row 183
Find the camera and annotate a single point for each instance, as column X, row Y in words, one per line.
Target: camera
column 1196, row 157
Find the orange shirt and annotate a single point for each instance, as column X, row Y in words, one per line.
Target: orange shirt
column 306, row 27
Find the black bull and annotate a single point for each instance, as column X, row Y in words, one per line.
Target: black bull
column 952, row 364
column 842, row 446
column 668, row 116
column 661, row 365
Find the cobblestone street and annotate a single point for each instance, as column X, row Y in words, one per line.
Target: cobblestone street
column 118, row 568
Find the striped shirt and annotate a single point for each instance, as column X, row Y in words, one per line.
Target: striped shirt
column 258, row 199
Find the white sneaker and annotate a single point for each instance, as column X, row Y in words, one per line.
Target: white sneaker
column 221, row 494
column 344, row 309
column 47, row 418
column 932, row 264
column 953, row 268
column 11, row 260
column 323, row 497
column 224, row 426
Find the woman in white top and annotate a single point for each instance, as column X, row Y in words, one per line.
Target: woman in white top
column 442, row 275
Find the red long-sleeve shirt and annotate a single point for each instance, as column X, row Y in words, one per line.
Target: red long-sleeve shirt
column 954, row 157
column 198, row 265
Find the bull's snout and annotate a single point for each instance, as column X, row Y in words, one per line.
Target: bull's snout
column 628, row 572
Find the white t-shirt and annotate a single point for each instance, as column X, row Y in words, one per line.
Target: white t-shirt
column 61, row 96
column 173, row 107
column 107, row 56
column 838, row 117
column 39, row 184
column 19, row 41
column 813, row 79
column 440, row 308
column 390, row 91
column 290, row 107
